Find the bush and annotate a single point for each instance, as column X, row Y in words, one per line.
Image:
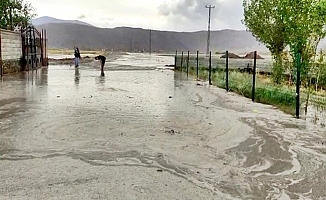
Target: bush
column 275, row 96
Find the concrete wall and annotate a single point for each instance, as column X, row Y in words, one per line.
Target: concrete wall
column 11, row 52
column 11, row 45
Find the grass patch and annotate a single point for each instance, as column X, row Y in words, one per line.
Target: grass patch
column 266, row 92
column 276, row 96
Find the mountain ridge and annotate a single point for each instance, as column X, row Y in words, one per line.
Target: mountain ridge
column 51, row 20
column 68, row 33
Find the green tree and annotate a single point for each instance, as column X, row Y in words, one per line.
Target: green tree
column 298, row 24
column 264, row 19
column 21, row 11
column 305, row 21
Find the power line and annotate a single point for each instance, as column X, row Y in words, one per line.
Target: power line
column 209, row 26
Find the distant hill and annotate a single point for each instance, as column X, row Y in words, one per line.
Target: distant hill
column 68, row 35
column 51, row 20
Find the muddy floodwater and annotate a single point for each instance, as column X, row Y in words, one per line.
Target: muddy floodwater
column 146, row 132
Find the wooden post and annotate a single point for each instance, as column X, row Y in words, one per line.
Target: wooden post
column 254, row 77
column 23, row 49
column 210, row 69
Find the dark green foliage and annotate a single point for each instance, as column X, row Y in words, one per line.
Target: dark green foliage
column 21, row 11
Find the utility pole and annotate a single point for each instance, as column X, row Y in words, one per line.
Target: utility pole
column 131, row 41
column 150, row 41
column 209, row 26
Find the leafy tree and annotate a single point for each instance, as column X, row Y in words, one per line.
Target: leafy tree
column 298, row 24
column 305, row 21
column 264, row 19
column 21, row 11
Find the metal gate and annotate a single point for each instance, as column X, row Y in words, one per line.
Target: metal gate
column 34, row 47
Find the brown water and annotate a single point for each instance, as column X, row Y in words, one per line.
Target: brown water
column 147, row 133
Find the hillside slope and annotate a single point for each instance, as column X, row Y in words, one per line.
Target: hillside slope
column 68, row 35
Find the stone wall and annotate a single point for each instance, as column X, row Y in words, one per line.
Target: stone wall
column 11, row 45
column 11, row 51
column 11, row 66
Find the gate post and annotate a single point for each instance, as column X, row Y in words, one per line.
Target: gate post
column 31, row 47
column 35, row 49
column 41, row 44
column 24, row 63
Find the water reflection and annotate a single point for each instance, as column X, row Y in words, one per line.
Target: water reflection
column 42, row 78
column 77, row 76
column 178, row 79
column 102, row 79
column 21, row 93
column 37, row 77
column 34, row 77
column 315, row 114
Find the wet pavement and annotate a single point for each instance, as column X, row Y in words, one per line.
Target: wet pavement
column 143, row 132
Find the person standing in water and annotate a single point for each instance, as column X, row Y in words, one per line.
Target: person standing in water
column 102, row 60
column 77, row 56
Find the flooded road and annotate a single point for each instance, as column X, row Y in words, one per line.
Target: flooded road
column 146, row 133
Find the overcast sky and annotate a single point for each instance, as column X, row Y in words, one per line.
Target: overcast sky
column 177, row 15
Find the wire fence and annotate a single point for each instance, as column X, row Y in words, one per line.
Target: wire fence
column 219, row 62
column 249, row 76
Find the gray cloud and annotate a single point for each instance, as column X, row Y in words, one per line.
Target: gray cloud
column 164, row 9
column 192, row 14
column 189, row 9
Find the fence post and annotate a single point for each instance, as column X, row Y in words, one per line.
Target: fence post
column 181, row 60
column 188, row 65
column 1, row 68
column 175, row 59
column 254, row 77
column 210, row 69
column 227, row 71
column 298, row 63
column 197, row 64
